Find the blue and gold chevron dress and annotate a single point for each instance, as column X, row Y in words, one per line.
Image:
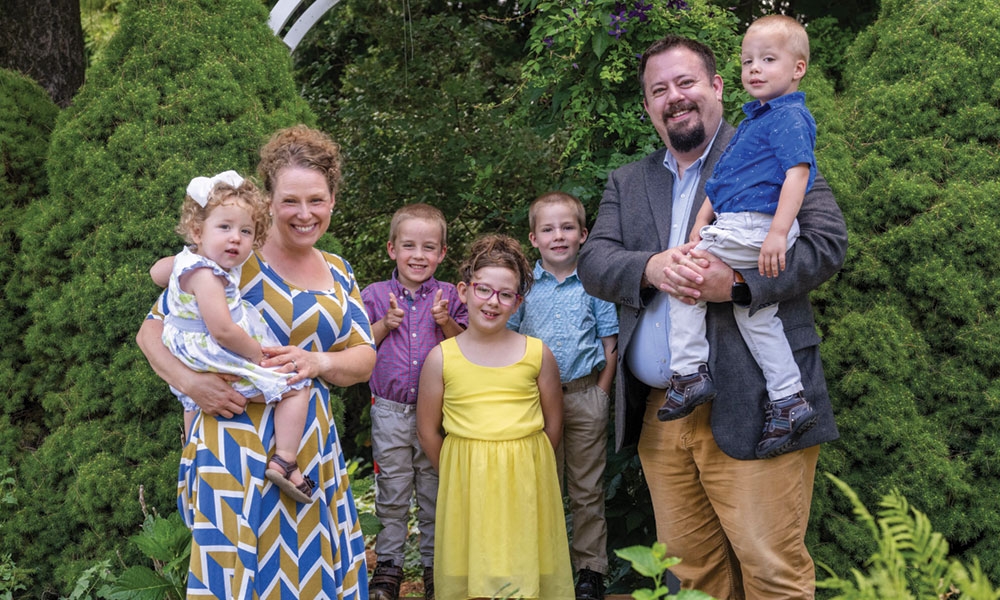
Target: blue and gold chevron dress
column 250, row 541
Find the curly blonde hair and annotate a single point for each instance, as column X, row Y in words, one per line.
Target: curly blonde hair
column 300, row 146
column 193, row 215
column 497, row 250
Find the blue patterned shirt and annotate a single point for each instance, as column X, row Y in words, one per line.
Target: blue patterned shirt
column 773, row 138
column 570, row 321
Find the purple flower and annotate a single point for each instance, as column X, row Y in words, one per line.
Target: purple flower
column 677, row 4
column 547, row 41
column 640, row 11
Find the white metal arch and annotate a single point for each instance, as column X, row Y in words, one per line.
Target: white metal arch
column 283, row 10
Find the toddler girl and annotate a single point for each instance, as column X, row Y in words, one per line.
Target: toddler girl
column 210, row 328
column 496, row 393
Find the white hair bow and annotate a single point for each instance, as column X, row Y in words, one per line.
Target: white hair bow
column 201, row 187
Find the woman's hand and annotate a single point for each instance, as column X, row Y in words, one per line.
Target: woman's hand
column 301, row 364
column 215, row 396
column 210, row 391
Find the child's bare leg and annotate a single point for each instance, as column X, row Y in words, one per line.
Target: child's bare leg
column 289, row 423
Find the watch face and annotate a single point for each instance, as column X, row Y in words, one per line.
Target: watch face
column 741, row 293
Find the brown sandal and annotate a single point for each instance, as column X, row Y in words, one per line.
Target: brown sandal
column 300, row 493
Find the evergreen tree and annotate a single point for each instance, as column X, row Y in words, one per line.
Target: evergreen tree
column 27, row 116
column 912, row 334
column 184, row 89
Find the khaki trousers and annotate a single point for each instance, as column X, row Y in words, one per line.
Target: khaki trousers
column 580, row 460
column 738, row 526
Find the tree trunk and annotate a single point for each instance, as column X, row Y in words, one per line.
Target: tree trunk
column 44, row 40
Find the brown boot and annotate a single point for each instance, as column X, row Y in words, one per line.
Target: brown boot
column 385, row 581
column 428, row 583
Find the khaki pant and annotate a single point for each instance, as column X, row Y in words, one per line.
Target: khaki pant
column 580, row 461
column 738, row 526
column 403, row 470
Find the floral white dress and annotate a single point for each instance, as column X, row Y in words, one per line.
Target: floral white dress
column 187, row 336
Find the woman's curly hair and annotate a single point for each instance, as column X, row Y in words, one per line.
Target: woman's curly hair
column 300, row 146
column 193, row 215
column 497, row 250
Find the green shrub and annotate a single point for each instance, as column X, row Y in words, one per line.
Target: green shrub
column 27, row 116
column 183, row 89
column 912, row 336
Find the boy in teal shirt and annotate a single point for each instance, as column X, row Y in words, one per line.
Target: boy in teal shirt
column 582, row 332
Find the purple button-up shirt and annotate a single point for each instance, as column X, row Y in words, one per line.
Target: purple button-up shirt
column 401, row 354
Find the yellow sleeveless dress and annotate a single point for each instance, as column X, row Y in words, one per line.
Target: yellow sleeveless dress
column 500, row 529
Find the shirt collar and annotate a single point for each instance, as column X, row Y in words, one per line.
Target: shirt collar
column 428, row 287
column 755, row 108
column 671, row 163
column 540, row 272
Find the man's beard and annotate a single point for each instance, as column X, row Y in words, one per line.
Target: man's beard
column 685, row 141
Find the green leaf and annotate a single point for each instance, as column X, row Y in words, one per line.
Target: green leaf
column 140, row 583
column 599, row 43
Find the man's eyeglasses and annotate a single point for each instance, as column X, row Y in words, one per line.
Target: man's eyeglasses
column 485, row 292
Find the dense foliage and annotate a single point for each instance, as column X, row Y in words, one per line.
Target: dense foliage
column 580, row 78
column 912, row 335
column 27, row 116
column 183, row 89
column 420, row 98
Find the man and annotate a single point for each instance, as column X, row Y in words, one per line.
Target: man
column 737, row 524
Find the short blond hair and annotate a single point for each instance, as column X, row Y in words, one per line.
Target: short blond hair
column 796, row 38
column 193, row 215
column 556, row 197
column 418, row 210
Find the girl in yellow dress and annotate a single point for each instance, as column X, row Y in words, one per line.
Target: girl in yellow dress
column 489, row 414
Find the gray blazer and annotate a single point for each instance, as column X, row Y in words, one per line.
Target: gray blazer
column 633, row 223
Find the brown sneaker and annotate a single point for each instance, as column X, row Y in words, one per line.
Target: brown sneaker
column 385, row 581
column 686, row 392
column 428, row 583
column 785, row 422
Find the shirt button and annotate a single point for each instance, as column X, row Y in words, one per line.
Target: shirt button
column 657, row 324
column 413, row 308
column 414, row 362
column 413, row 390
column 413, row 334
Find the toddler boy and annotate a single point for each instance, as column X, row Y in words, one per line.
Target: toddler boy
column 754, row 195
column 582, row 332
column 410, row 313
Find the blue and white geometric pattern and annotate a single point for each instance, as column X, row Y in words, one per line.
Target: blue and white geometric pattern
column 250, row 541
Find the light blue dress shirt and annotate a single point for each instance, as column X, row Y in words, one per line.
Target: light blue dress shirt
column 570, row 321
column 648, row 353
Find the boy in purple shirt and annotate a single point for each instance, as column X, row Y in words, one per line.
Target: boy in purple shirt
column 754, row 196
column 410, row 313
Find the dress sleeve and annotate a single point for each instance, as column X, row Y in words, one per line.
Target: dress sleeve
column 355, row 315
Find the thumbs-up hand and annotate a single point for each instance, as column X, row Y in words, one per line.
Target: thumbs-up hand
column 439, row 310
column 394, row 316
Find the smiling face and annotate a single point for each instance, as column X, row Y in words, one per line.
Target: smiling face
column 558, row 235
column 227, row 234
column 683, row 100
column 301, row 203
column 417, row 250
column 490, row 316
column 770, row 68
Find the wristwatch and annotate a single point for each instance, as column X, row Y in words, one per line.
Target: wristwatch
column 741, row 291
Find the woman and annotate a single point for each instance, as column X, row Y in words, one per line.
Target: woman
column 249, row 540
